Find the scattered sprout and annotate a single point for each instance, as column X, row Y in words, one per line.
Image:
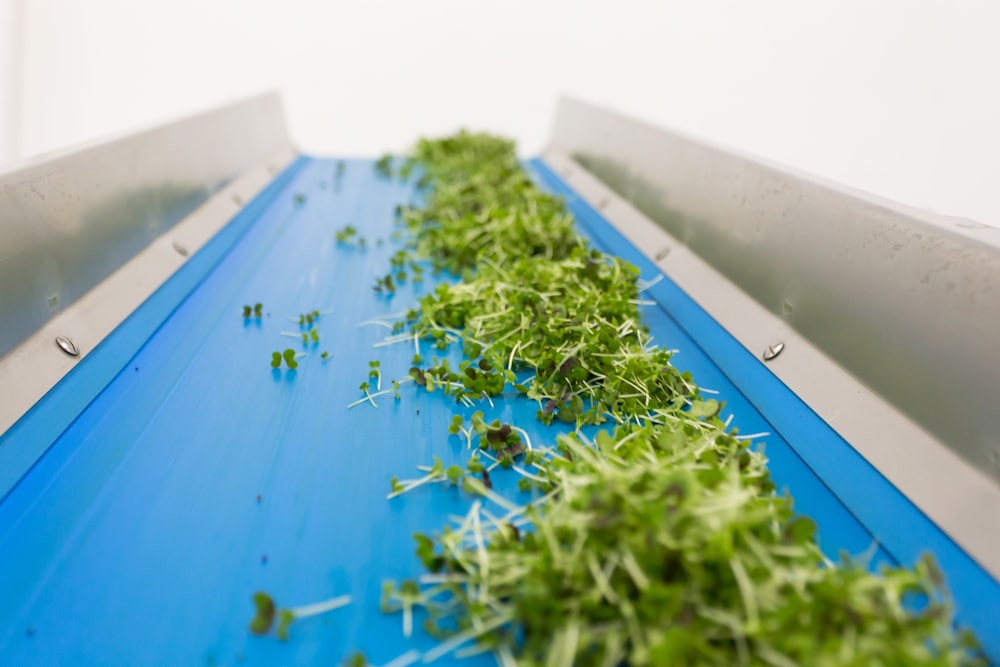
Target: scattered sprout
column 383, row 166
column 267, row 612
column 347, row 235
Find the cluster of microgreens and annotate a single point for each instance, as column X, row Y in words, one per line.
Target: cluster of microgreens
column 661, row 541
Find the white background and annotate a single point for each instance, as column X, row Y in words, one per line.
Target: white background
column 898, row 97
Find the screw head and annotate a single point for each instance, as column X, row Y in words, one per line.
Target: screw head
column 181, row 250
column 773, row 350
column 67, row 345
column 662, row 254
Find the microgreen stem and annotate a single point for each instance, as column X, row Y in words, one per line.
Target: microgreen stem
column 321, row 607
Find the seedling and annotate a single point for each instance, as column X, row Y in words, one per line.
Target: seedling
column 256, row 311
column 369, row 397
column 383, row 166
column 288, row 355
column 348, row 234
column 267, row 613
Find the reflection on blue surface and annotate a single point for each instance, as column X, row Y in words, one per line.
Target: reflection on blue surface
column 139, row 538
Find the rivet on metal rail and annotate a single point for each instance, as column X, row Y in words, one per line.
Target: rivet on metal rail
column 661, row 254
column 181, row 250
column 773, row 350
column 237, row 199
column 603, row 203
column 67, row 345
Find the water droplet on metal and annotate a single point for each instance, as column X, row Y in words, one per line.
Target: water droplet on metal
column 181, row 250
column 67, row 345
column 773, row 350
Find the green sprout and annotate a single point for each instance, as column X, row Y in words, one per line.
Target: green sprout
column 383, row 166
column 289, row 355
column 348, row 234
column 267, row 612
column 326, row 355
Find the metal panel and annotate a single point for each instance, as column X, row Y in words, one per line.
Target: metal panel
column 68, row 221
column 88, row 236
column 906, row 301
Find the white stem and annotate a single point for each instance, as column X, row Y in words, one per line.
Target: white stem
column 447, row 647
column 321, row 607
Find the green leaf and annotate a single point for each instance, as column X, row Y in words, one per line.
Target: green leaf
column 285, row 620
column 707, row 408
column 264, row 618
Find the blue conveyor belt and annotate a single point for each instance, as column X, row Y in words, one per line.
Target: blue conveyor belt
column 138, row 537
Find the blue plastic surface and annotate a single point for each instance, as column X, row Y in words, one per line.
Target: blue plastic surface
column 138, row 537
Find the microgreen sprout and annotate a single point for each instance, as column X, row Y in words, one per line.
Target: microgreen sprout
column 383, row 166
column 289, row 355
column 349, row 234
column 326, row 355
column 369, row 397
column 299, row 199
column 267, row 613
column 385, row 284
